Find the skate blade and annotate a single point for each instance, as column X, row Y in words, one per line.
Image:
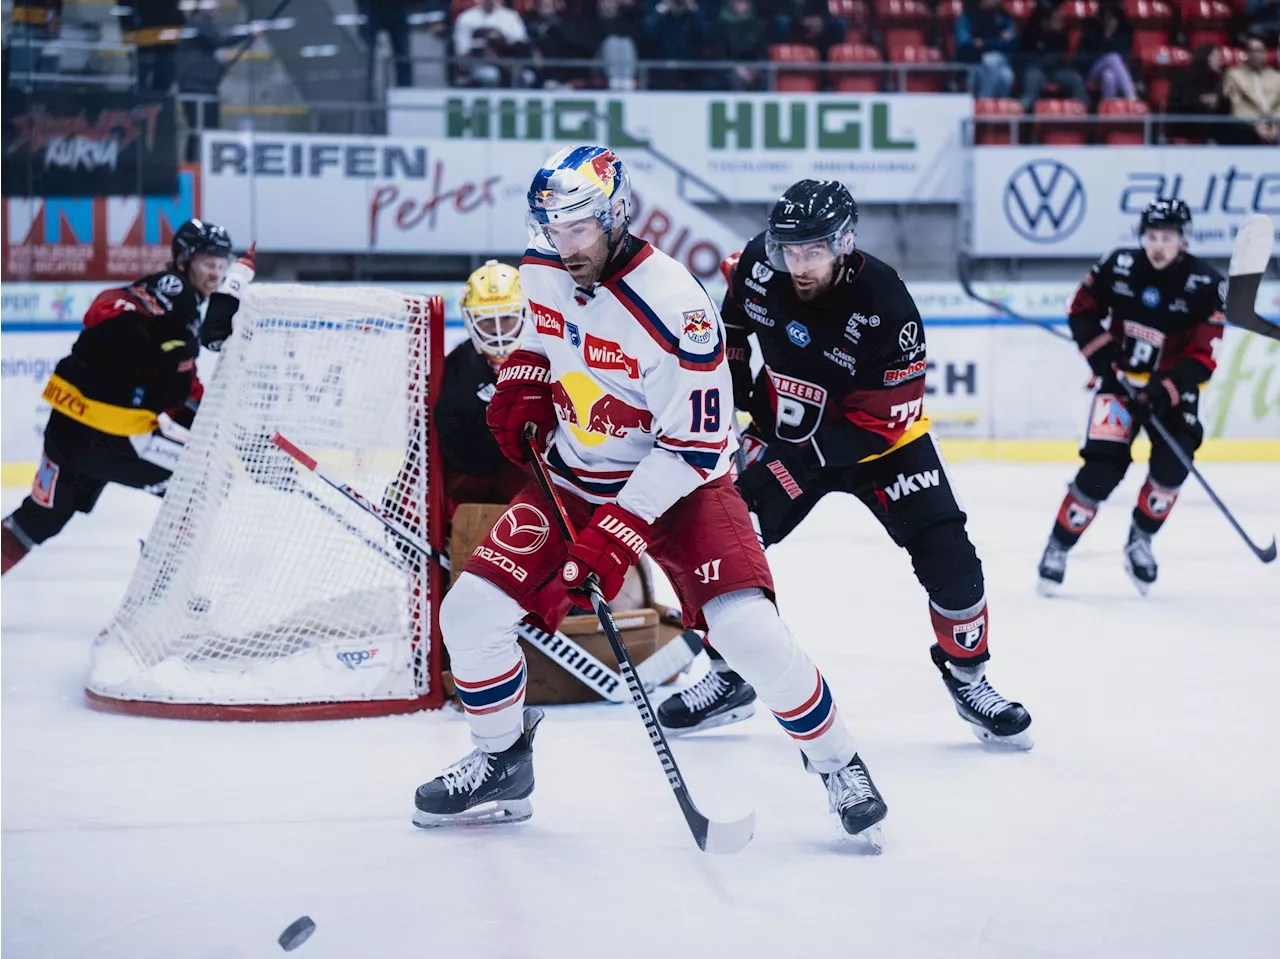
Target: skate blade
column 1047, row 587
column 735, row 715
column 491, row 814
column 1142, row 586
column 1019, row 741
column 869, row 842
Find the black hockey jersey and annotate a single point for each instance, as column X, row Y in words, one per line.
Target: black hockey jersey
column 1163, row 321
column 135, row 358
column 844, row 372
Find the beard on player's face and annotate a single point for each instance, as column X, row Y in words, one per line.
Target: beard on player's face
column 584, row 249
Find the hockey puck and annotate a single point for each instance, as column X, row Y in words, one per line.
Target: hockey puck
column 299, row 931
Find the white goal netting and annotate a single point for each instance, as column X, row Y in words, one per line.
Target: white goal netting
column 259, row 587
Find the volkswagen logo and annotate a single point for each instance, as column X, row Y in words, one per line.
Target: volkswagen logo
column 1044, row 201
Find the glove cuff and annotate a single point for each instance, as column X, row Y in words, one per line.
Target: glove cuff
column 623, row 529
column 524, row 366
column 239, row 275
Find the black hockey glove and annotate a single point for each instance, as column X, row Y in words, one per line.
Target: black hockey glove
column 1157, row 398
column 777, row 481
column 1104, row 359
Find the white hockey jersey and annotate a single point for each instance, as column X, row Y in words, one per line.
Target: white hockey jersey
column 639, row 378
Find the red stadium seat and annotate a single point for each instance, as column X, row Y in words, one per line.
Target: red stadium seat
column 1074, row 15
column 863, row 81
column 1158, row 65
column 1020, row 10
column 948, row 13
column 795, row 81
column 922, row 81
column 1062, row 134
column 903, row 22
column 1232, row 57
column 857, row 17
column 1122, row 134
column 1206, row 21
column 991, row 126
column 1152, row 23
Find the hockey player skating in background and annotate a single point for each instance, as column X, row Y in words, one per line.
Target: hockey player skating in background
column 124, row 397
column 1164, row 308
column 838, row 407
column 622, row 374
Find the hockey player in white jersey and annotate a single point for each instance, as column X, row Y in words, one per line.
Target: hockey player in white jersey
column 623, row 378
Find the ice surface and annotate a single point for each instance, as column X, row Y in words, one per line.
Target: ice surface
column 1144, row 823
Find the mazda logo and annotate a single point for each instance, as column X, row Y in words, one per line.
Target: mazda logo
column 521, row 529
column 1044, row 201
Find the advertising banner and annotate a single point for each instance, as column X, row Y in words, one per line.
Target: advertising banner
column 88, row 144
column 338, row 194
column 749, row 146
column 1047, row 202
column 94, row 238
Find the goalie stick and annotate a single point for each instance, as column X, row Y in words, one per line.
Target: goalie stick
column 1249, row 259
column 673, row 657
column 714, row 837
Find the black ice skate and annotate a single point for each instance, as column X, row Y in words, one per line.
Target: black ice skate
column 993, row 718
column 1053, row 567
column 1139, row 561
column 719, row 698
column 853, row 797
column 483, row 787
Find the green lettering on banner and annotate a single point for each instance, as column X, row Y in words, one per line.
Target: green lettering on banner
column 844, row 132
column 721, row 126
column 466, row 120
column 1265, row 406
column 533, row 119
column 618, row 135
column 573, row 120
column 507, row 120
column 797, row 128
column 1233, row 376
column 880, row 136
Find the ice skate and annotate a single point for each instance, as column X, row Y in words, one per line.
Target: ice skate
column 719, row 698
column 483, row 788
column 1139, row 561
column 854, row 798
column 1053, row 568
column 993, row 718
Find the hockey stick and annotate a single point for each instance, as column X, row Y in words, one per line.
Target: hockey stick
column 966, row 284
column 1249, row 259
column 714, row 837
column 675, row 655
column 1265, row 554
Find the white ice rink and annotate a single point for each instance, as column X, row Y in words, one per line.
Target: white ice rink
column 1144, row 823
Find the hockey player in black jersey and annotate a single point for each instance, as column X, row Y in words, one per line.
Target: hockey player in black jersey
column 838, row 406
column 1146, row 319
column 124, row 397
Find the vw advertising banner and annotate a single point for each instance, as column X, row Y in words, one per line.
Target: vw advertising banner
column 1043, row 202
column 750, row 146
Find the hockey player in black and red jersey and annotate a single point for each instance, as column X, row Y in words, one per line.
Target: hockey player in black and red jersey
column 1147, row 320
column 125, row 396
column 838, row 406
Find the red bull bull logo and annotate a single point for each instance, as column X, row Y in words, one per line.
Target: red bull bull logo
column 697, row 327
column 544, row 198
column 613, row 417
column 603, row 167
column 592, row 416
column 565, row 409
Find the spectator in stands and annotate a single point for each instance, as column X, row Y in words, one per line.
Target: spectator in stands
column 1046, row 50
column 155, row 26
column 986, row 35
column 738, row 34
column 1197, row 91
column 620, row 32
column 816, row 27
column 391, row 17
column 1264, row 19
column 490, row 30
column 1105, row 45
column 200, row 75
column 553, row 36
column 1253, row 90
column 677, row 30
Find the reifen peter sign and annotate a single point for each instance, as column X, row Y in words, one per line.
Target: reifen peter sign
column 749, row 146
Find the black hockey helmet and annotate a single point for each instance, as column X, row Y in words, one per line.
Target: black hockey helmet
column 811, row 211
column 1165, row 215
column 199, row 236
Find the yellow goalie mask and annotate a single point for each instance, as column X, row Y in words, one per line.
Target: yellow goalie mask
column 493, row 309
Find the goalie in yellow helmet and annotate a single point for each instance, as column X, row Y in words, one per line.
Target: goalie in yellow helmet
column 493, row 310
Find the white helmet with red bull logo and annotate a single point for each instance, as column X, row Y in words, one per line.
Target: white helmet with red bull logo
column 577, row 183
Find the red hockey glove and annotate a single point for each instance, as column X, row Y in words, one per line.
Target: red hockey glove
column 611, row 544
column 523, row 396
column 1157, row 398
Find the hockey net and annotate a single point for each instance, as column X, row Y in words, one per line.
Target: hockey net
column 261, row 593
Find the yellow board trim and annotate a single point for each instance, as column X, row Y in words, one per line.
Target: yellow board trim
column 960, row 451
column 103, row 417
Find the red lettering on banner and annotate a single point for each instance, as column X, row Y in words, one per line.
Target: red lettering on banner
column 550, row 322
column 409, row 212
column 607, row 355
